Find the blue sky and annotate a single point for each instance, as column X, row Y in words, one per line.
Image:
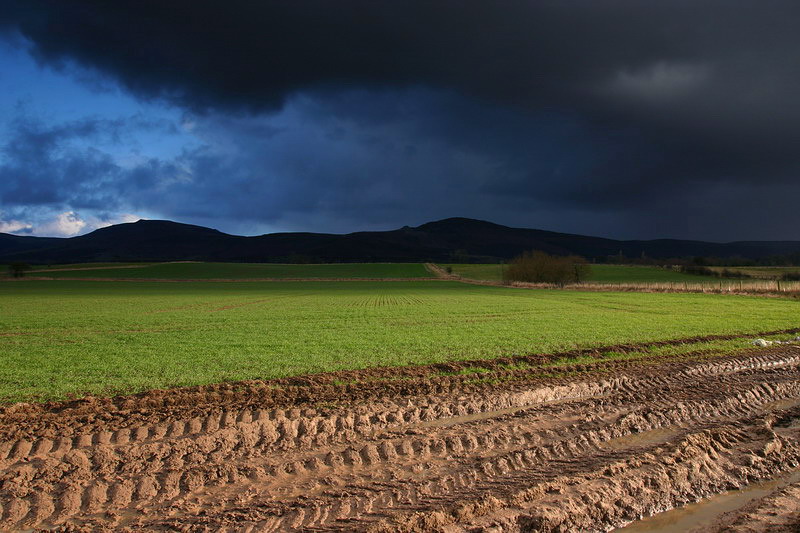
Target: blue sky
column 46, row 97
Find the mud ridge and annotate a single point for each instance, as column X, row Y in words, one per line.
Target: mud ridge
column 587, row 453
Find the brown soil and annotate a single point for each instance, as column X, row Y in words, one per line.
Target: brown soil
column 593, row 448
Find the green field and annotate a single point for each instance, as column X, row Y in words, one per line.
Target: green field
column 240, row 271
column 62, row 338
column 598, row 274
column 641, row 274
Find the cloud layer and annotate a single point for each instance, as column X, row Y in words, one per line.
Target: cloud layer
column 624, row 118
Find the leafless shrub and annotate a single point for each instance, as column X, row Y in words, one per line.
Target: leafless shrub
column 541, row 267
column 18, row 269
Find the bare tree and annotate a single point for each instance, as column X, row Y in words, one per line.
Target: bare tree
column 541, row 267
column 18, row 269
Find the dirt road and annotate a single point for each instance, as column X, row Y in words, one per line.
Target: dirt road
column 586, row 448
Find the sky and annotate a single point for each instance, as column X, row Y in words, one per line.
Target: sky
column 625, row 119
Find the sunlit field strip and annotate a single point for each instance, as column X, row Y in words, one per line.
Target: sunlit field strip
column 180, row 270
column 62, row 338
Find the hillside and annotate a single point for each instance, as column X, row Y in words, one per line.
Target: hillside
column 453, row 239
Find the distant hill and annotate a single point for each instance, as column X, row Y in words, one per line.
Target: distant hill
column 452, row 239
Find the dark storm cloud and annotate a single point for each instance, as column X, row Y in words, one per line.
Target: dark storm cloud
column 512, row 110
column 207, row 54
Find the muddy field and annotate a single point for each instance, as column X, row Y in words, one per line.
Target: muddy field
column 589, row 448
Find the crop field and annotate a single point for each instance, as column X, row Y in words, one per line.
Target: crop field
column 598, row 274
column 188, row 270
column 405, row 406
column 72, row 337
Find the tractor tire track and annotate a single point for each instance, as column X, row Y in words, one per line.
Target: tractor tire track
column 609, row 448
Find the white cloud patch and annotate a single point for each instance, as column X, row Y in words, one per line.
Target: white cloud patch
column 12, row 226
column 124, row 218
column 660, row 81
column 66, row 224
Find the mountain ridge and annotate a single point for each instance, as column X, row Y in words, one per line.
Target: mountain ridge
column 452, row 239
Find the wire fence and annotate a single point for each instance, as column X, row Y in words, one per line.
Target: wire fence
column 760, row 287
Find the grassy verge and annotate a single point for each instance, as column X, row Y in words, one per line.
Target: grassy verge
column 713, row 348
column 643, row 355
column 761, row 272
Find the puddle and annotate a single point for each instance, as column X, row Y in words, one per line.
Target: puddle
column 645, row 438
column 463, row 419
column 706, row 512
column 787, row 403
